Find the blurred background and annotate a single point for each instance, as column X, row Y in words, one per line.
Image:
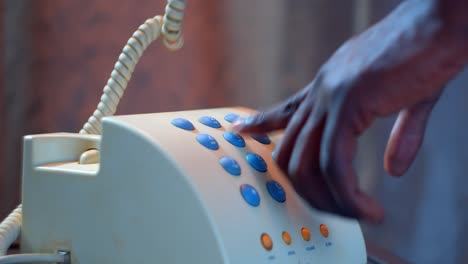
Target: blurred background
column 57, row 56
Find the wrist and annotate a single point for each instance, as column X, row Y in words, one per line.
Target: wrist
column 452, row 21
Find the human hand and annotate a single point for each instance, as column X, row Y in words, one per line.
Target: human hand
column 399, row 65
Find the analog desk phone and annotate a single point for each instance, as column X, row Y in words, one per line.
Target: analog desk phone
column 177, row 187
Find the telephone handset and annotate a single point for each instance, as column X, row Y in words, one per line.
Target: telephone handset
column 173, row 187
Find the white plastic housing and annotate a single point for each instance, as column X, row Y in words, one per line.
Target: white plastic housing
column 158, row 196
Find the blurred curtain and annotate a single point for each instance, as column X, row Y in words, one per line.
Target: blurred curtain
column 58, row 55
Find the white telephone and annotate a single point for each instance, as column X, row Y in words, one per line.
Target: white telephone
column 174, row 187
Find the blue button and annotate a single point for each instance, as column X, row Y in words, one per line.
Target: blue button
column 250, row 195
column 230, row 165
column 231, row 117
column 208, row 141
column 182, row 123
column 256, row 162
column 264, row 139
column 276, row 191
column 234, row 139
column 209, row 121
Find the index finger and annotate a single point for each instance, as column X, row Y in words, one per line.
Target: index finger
column 273, row 119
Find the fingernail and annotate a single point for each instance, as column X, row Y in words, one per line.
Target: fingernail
column 398, row 166
column 398, row 169
column 238, row 124
column 249, row 120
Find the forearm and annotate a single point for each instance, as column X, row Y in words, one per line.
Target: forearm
column 447, row 52
column 430, row 29
column 430, row 50
column 417, row 47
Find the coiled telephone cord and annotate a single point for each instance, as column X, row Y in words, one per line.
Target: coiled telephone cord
column 170, row 27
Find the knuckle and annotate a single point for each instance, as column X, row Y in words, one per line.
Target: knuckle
column 259, row 118
column 327, row 164
column 290, row 107
column 293, row 169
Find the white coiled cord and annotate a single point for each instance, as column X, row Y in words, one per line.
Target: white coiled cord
column 171, row 28
column 10, row 229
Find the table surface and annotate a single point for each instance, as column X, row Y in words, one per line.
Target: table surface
column 381, row 255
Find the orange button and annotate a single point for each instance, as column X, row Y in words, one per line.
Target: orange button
column 266, row 241
column 286, row 238
column 305, row 234
column 324, row 230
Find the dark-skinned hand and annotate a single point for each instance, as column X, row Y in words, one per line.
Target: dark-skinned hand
column 399, row 65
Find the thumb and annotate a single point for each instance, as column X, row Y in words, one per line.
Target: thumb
column 406, row 137
column 273, row 119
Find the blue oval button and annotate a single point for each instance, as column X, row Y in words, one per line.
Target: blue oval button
column 234, row 139
column 250, row 195
column 231, row 117
column 230, row 165
column 208, row 141
column 276, row 191
column 264, row 139
column 182, row 123
column 209, row 121
column 257, row 162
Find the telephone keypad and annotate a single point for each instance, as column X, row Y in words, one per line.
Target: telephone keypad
column 230, row 165
column 235, row 139
column 264, row 139
column 250, row 195
column 257, row 162
column 183, row 124
column 231, row 117
column 276, row 191
column 209, row 121
column 208, row 141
